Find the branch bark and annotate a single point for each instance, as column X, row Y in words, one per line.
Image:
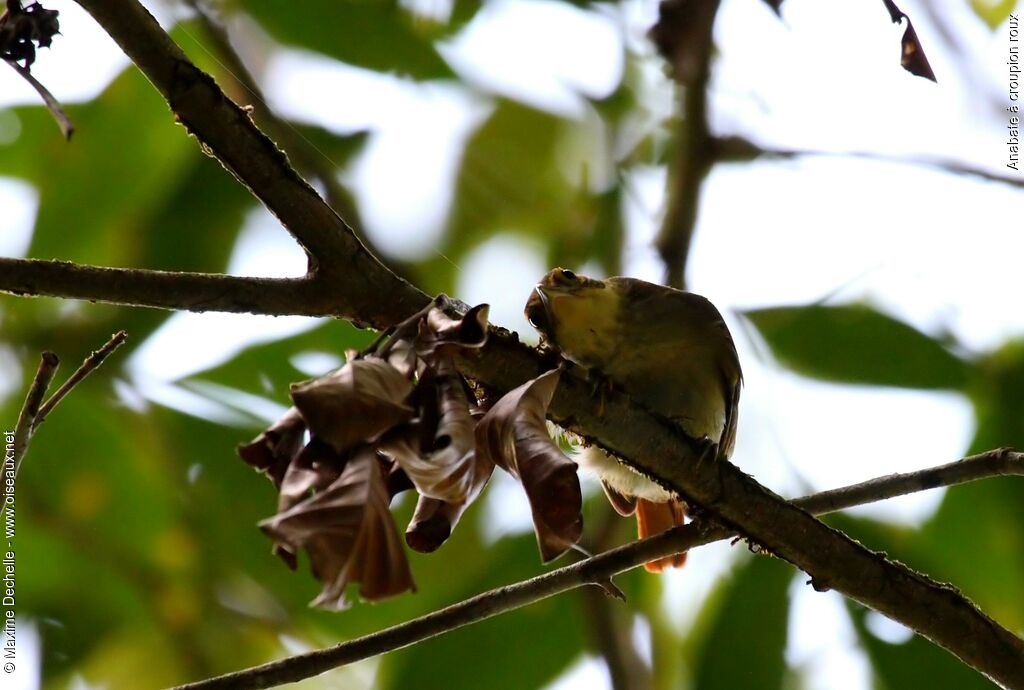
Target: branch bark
column 226, row 131
column 361, row 289
column 736, row 148
column 48, row 364
column 684, row 37
column 991, row 464
column 34, row 411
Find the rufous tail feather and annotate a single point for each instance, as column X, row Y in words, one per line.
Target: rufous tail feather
column 655, row 518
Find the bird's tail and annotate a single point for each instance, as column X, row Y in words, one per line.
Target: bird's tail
column 655, row 518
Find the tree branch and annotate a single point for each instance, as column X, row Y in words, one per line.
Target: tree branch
column 200, row 292
column 607, row 623
column 34, row 410
column 226, row 130
column 89, row 365
column 503, row 599
column 308, row 159
column 684, row 37
column 48, row 364
column 653, row 445
column 736, row 148
column 52, row 104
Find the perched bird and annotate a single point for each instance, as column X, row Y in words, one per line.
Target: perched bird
column 668, row 349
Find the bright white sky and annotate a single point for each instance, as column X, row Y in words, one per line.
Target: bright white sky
column 937, row 250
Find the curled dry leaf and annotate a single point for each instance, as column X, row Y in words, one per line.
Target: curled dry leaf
column 513, row 435
column 354, row 404
column 441, row 335
column 311, row 471
column 446, row 470
column 349, row 534
column 912, row 57
column 432, row 523
column 272, row 451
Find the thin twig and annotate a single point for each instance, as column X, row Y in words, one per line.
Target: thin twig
column 737, row 148
column 91, row 363
column 503, row 599
column 607, row 623
column 48, row 364
column 52, row 104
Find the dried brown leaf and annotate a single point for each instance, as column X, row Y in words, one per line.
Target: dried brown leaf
column 272, row 451
column 446, row 470
column 349, row 534
column 354, row 404
column 441, row 335
column 312, row 470
column 912, row 57
column 514, row 435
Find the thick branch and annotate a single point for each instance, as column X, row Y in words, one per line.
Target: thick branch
column 226, row 130
column 372, row 294
column 598, row 568
column 167, row 290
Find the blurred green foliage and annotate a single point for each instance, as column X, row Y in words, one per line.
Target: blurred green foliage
column 137, row 543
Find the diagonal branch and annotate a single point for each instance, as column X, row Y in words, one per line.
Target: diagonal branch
column 89, row 365
column 52, row 104
column 34, row 410
column 226, row 131
column 483, row 606
column 368, row 292
column 48, row 364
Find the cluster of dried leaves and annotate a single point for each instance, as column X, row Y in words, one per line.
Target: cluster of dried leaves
column 23, row 29
column 400, row 416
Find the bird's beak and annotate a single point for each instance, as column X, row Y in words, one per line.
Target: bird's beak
column 538, row 309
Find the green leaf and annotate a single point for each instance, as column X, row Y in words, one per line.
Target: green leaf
column 993, row 12
column 513, row 178
column 976, row 542
column 856, row 344
column 381, row 36
column 267, row 369
column 95, row 191
column 744, row 644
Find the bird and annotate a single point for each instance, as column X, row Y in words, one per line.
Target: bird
column 669, row 350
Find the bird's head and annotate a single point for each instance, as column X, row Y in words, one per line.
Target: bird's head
column 574, row 313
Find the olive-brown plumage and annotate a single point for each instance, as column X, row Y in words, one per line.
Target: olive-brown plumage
column 666, row 348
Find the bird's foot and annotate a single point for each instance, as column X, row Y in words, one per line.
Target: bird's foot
column 601, row 388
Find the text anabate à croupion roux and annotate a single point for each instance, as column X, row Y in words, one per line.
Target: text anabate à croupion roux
column 7, row 551
column 1013, row 141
